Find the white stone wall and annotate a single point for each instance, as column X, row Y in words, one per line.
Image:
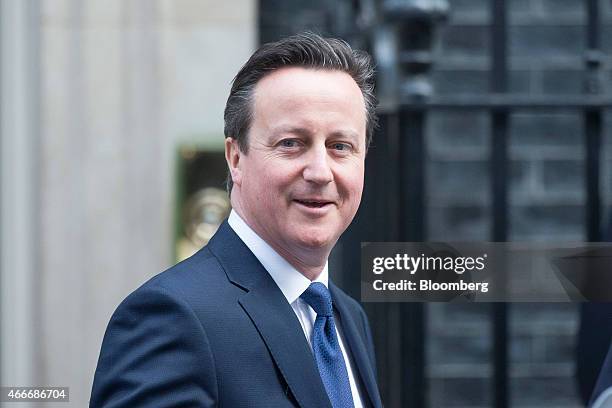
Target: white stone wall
column 121, row 84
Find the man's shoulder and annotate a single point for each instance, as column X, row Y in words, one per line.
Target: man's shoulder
column 197, row 280
column 200, row 268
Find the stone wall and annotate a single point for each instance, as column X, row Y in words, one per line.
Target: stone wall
column 547, row 192
column 123, row 83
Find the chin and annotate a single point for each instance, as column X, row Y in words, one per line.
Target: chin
column 316, row 240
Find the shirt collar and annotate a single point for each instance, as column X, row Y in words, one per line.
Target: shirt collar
column 290, row 281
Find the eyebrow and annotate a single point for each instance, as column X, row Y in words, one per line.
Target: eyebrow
column 303, row 131
column 297, row 130
column 346, row 133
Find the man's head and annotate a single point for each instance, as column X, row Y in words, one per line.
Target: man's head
column 298, row 122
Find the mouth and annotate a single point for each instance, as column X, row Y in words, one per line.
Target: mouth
column 314, row 203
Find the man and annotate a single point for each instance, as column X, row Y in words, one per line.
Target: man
column 252, row 319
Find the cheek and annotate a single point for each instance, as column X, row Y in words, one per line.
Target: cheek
column 352, row 187
column 356, row 194
column 272, row 183
column 357, row 176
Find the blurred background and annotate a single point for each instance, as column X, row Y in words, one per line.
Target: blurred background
column 495, row 126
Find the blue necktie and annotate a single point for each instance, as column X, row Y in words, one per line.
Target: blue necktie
column 326, row 347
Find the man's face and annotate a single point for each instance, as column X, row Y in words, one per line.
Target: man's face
column 301, row 181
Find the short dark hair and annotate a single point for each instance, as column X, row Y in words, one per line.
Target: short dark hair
column 308, row 50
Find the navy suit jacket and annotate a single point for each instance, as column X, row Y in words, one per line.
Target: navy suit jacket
column 215, row 330
column 605, row 378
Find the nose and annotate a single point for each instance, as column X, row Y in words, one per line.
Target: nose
column 317, row 169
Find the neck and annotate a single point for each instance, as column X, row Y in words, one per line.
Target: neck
column 310, row 266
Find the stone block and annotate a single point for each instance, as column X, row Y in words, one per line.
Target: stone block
column 519, row 8
column 465, row 40
column 554, row 349
column 544, row 316
column 461, row 392
column 472, row 11
column 546, row 219
column 458, row 222
column 460, row 81
column 547, row 392
column 470, row 347
column 521, row 81
column 468, row 6
column 563, row 177
column 454, row 178
column 562, row 81
column 545, row 41
column 450, row 130
column 478, row 313
column 565, row 8
column 545, row 129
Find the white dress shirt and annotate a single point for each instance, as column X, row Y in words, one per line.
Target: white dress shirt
column 292, row 283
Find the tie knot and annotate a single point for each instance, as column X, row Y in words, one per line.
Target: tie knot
column 319, row 298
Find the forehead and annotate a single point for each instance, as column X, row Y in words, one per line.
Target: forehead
column 292, row 80
column 294, row 93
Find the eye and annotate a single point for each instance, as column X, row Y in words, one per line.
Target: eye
column 342, row 147
column 288, row 143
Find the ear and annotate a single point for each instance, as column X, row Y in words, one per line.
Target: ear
column 232, row 156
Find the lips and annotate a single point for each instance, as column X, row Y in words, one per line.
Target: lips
column 313, row 203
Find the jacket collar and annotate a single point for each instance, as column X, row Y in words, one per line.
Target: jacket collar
column 273, row 317
column 358, row 349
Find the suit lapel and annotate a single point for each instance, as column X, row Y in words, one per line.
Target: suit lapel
column 273, row 317
column 357, row 347
column 282, row 333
